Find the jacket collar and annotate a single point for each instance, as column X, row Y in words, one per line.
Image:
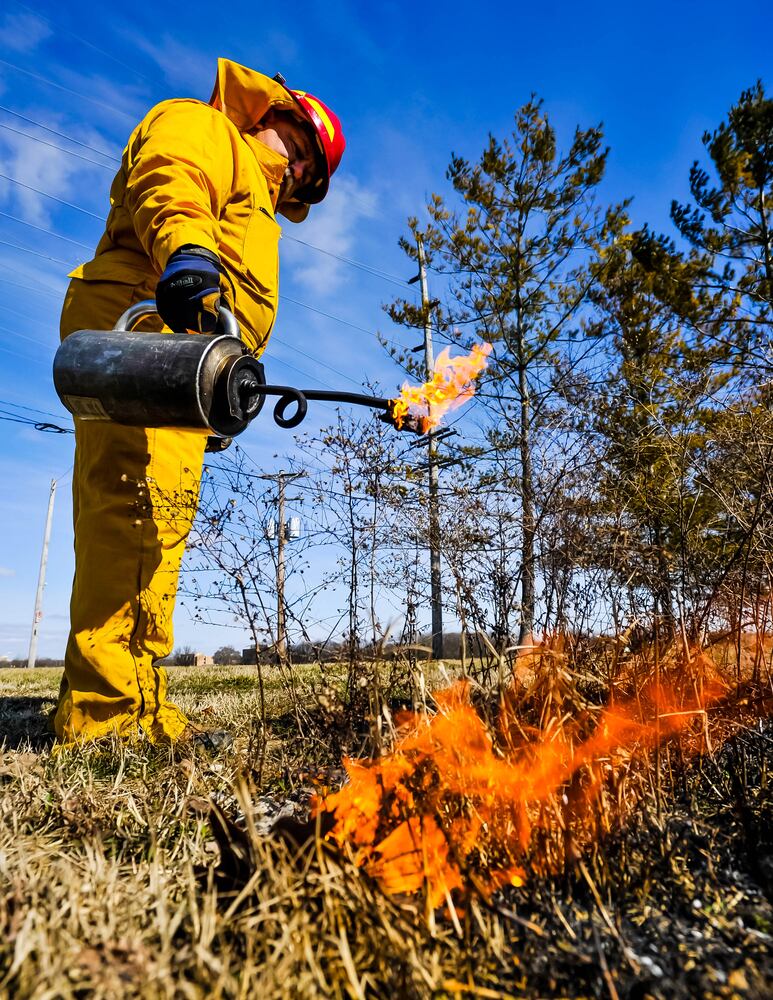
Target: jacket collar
column 245, row 96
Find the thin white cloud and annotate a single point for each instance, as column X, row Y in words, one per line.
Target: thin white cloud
column 113, row 104
column 189, row 69
column 283, row 47
column 332, row 226
column 15, row 637
column 22, row 32
column 6, row 571
column 37, row 166
column 43, row 166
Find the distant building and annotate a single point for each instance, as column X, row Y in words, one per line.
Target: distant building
column 266, row 654
column 194, row 660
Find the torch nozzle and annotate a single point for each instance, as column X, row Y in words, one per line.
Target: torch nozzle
column 408, row 423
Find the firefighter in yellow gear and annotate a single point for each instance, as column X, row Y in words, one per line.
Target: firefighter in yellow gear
column 193, row 224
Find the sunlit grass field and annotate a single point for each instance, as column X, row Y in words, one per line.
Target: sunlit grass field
column 134, row 871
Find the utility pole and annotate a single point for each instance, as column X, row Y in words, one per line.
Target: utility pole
column 33, row 653
column 434, row 514
column 280, row 478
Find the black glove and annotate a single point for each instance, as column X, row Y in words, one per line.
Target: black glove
column 189, row 293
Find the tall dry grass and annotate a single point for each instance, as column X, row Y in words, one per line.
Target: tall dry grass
column 129, row 871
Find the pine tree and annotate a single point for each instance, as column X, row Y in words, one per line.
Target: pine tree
column 731, row 220
column 517, row 256
column 651, row 418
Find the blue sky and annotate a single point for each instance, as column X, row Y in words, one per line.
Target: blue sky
column 411, row 83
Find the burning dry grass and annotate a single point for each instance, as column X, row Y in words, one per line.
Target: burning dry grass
column 119, row 878
column 458, row 802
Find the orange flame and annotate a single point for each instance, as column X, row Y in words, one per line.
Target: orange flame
column 456, row 803
column 451, row 385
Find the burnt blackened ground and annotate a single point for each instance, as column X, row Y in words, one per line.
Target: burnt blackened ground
column 682, row 903
column 675, row 904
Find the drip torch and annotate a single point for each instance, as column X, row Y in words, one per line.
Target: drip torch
column 207, row 381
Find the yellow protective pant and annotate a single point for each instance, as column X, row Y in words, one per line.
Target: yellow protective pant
column 135, row 493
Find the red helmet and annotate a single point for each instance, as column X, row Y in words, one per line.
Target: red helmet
column 330, row 141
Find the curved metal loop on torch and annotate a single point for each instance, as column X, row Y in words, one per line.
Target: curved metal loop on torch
column 289, row 395
column 287, row 398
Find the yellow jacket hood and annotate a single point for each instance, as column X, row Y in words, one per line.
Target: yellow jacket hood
column 245, row 96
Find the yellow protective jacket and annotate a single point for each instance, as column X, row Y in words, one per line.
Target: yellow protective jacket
column 192, row 173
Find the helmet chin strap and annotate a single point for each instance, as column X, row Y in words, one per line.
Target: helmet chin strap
column 289, row 186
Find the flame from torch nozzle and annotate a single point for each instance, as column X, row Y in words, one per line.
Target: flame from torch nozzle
column 452, row 384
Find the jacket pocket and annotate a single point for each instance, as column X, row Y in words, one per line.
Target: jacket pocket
column 260, row 257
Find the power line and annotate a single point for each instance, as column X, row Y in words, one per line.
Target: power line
column 376, row 272
column 53, row 197
column 324, row 471
column 35, row 253
column 67, row 90
column 82, row 40
column 279, row 340
column 306, row 375
column 21, row 336
column 37, row 289
column 66, row 473
column 48, row 232
column 61, row 135
column 31, row 409
column 327, row 315
column 39, row 425
column 24, row 357
column 52, row 145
